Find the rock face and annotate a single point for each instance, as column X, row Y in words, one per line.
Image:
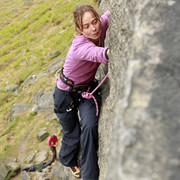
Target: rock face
column 139, row 125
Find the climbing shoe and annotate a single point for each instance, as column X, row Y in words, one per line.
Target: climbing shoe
column 75, row 171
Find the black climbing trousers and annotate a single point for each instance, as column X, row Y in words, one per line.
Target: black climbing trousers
column 75, row 132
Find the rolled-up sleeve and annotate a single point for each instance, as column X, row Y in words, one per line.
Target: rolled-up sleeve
column 90, row 52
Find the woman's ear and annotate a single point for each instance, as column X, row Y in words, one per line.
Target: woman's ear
column 78, row 30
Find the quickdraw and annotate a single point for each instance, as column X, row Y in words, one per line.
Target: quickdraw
column 88, row 95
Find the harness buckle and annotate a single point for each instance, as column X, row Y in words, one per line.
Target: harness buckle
column 68, row 109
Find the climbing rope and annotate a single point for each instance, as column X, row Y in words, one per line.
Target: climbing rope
column 88, row 95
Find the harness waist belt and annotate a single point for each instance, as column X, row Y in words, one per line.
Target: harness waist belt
column 70, row 83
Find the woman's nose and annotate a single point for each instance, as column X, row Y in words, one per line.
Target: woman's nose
column 93, row 27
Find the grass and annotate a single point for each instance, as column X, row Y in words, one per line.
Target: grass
column 26, row 35
column 9, row 144
column 13, row 135
column 29, row 32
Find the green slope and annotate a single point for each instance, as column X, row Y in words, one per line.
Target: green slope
column 29, row 32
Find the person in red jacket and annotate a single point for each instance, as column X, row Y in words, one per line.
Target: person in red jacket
column 52, row 142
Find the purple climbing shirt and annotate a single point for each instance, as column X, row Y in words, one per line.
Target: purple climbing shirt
column 84, row 57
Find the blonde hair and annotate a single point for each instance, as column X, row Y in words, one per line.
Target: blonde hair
column 79, row 12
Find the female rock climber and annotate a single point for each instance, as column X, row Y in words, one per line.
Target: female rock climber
column 86, row 53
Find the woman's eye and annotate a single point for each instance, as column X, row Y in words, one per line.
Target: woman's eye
column 95, row 21
column 85, row 27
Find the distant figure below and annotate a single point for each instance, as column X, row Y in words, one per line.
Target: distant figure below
column 52, row 142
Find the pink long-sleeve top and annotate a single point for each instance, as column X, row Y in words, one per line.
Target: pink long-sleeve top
column 84, row 57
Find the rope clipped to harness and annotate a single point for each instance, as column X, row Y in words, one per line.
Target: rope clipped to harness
column 88, row 95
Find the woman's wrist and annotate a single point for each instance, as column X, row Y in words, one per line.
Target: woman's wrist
column 107, row 53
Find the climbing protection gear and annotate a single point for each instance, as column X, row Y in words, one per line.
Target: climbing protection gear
column 88, row 95
column 75, row 171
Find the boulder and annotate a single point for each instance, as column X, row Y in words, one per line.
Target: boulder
column 38, row 95
column 4, row 170
column 52, row 117
column 32, row 79
column 42, row 135
column 41, row 157
column 30, row 158
column 18, row 108
column 25, row 176
column 14, row 10
column 55, row 66
column 27, row 1
column 55, row 53
column 34, row 109
column 61, row 173
column 13, row 166
column 46, row 102
column 11, row 88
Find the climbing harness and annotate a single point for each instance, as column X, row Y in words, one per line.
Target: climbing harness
column 78, row 91
column 69, row 82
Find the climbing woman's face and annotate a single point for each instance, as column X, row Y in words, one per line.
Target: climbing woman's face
column 91, row 26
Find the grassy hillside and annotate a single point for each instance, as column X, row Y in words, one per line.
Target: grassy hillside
column 29, row 32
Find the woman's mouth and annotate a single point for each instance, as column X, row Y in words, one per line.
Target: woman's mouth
column 96, row 34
